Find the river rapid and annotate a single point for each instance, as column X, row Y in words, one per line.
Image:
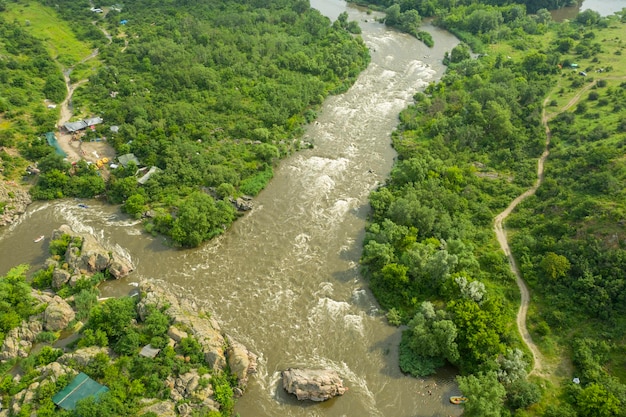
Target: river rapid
column 285, row 278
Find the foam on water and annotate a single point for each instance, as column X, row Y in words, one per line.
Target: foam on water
column 354, row 322
column 339, row 210
column 330, row 308
column 27, row 215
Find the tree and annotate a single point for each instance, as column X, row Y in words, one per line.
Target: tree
column 485, row 395
column 54, row 88
column 392, row 15
column 459, row 53
column 522, row 394
column 512, row 366
column 431, row 339
column 555, row 266
column 200, row 218
column 135, row 205
column 16, row 302
column 544, row 16
column 595, row 401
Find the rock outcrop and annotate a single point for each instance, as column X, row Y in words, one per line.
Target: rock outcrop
column 242, row 203
column 82, row 357
column 313, row 384
column 89, row 258
column 187, row 315
column 241, row 361
column 15, row 199
column 19, row 341
column 161, row 409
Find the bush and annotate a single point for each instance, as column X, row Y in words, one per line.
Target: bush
column 59, row 246
column 522, row 394
column 223, row 394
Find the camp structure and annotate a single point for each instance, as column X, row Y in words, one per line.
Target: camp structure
column 81, row 387
column 149, row 352
column 145, row 177
column 72, row 127
column 52, row 141
column 126, row 158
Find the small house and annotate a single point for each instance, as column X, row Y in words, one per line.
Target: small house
column 72, row 127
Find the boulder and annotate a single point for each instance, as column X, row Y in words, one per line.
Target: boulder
column 57, row 315
column 82, row 357
column 60, row 277
column 313, row 384
column 120, row 268
column 241, row 204
column 241, row 361
column 53, row 371
column 176, row 334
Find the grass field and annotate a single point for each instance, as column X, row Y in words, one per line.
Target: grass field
column 43, row 23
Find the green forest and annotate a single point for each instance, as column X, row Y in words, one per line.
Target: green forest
column 466, row 148
column 212, row 94
column 215, row 94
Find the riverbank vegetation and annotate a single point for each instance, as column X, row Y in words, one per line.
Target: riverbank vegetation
column 466, row 148
column 51, row 330
column 212, row 94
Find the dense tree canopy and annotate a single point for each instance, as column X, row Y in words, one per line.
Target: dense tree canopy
column 211, row 93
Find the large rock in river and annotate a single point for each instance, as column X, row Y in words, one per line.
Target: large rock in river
column 313, row 384
column 91, row 256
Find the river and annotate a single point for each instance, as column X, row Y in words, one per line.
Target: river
column 285, row 278
column 604, row 7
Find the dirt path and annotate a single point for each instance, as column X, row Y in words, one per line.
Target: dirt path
column 70, row 145
column 538, row 363
column 504, row 244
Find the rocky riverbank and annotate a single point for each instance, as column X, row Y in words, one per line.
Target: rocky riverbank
column 14, row 199
column 187, row 391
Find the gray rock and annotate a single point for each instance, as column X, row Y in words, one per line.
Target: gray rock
column 176, row 334
column 313, row 384
column 60, row 277
column 92, row 257
column 58, row 315
column 120, row 268
column 82, row 357
column 16, row 198
column 242, row 204
column 19, row 341
column 241, row 361
column 162, row 409
column 53, row 371
column 186, row 313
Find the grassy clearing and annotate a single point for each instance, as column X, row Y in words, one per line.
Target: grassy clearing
column 43, row 23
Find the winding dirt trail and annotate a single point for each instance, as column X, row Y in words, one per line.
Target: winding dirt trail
column 538, row 362
column 73, row 148
column 504, row 244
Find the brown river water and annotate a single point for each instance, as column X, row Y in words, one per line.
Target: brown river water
column 604, row 7
column 285, row 278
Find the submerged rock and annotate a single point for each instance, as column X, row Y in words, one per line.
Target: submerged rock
column 313, row 384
